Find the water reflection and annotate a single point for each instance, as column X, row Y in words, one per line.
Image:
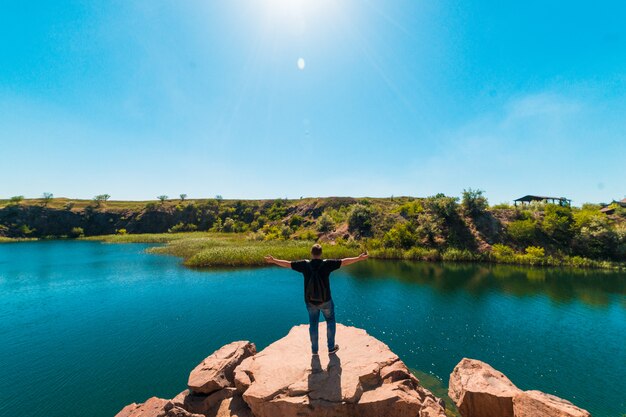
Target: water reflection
column 592, row 287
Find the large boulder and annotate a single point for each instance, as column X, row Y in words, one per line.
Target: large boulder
column 217, row 370
column 365, row 378
column 481, row 391
column 537, row 403
column 478, row 390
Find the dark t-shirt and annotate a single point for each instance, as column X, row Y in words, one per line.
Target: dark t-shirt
column 316, row 273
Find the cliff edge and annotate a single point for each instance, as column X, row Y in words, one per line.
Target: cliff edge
column 364, row 378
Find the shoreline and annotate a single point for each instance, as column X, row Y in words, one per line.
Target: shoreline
column 210, row 250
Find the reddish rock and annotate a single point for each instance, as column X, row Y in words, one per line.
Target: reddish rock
column 155, row 407
column 478, row 390
column 537, row 403
column 202, row 403
column 217, row 370
column 481, row 391
column 363, row 379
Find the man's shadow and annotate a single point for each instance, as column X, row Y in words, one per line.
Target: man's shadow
column 325, row 384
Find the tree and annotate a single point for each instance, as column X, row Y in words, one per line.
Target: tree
column 557, row 223
column 219, row 197
column 360, row 220
column 16, row 199
column 162, row 198
column 183, row 197
column 101, row 198
column 474, row 202
column 47, row 197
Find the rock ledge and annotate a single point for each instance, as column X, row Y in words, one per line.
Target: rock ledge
column 365, row 379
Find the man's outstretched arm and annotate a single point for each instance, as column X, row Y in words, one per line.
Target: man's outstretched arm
column 348, row 261
column 280, row 262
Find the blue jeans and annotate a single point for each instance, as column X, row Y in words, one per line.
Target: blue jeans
column 328, row 310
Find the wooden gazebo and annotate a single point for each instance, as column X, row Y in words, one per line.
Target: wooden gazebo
column 527, row 199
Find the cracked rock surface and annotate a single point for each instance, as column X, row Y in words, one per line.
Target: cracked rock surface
column 364, row 378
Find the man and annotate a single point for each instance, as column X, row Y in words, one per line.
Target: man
column 317, row 291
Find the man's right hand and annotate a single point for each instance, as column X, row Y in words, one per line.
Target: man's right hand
column 269, row 259
column 363, row 256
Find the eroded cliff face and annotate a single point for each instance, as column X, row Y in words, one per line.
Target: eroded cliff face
column 364, row 378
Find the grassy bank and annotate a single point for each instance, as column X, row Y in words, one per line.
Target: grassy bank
column 202, row 250
column 210, row 249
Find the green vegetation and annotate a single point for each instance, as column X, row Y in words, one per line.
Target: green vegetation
column 235, row 232
column 439, row 388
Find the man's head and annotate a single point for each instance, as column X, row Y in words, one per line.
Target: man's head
column 316, row 251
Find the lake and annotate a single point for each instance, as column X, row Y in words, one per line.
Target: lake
column 87, row 327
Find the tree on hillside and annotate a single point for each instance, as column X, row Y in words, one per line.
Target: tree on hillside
column 47, row 197
column 474, row 202
column 17, row 199
column 99, row 199
column 162, row 198
column 183, row 197
column 360, row 220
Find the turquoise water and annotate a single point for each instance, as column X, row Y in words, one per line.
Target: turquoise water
column 88, row 327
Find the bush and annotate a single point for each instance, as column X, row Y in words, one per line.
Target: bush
column 597, row 239
column 308, row 235
column 502, row 253
column 76, row 232
column 360, row 220
column 474, row 202
column 183, row 227
column 228, row 226
column 325, row 223
column 534, row 255
column 295, row 221
column 121, row 231
column 522, row 231
column 285, row 232
column 401, row 236
column 456, row 255
column 557, row 223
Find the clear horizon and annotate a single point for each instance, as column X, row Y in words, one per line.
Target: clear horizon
column 282, row 99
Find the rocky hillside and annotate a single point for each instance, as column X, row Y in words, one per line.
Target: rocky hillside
column 431, row 228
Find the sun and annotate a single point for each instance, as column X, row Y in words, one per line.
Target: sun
column 301, row 64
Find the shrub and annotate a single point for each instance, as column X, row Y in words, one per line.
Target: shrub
column 76, row 232
column 285, row 232
column 534, row 255
column 295, row 221
column 360, row 220
column 228, row 226
column 456, row 255
column 16, row 199
column 522, row 231
column 474, row 202
column 183, row 227
column 557, row 223
column 325, row 223
column 401, row 236
column 121, row 231
column 502, row 253
column 596, row 238
column 308, row 235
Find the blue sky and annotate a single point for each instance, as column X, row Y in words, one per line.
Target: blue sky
column 137, row 99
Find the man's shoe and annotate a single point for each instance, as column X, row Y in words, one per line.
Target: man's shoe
column 333, row 350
